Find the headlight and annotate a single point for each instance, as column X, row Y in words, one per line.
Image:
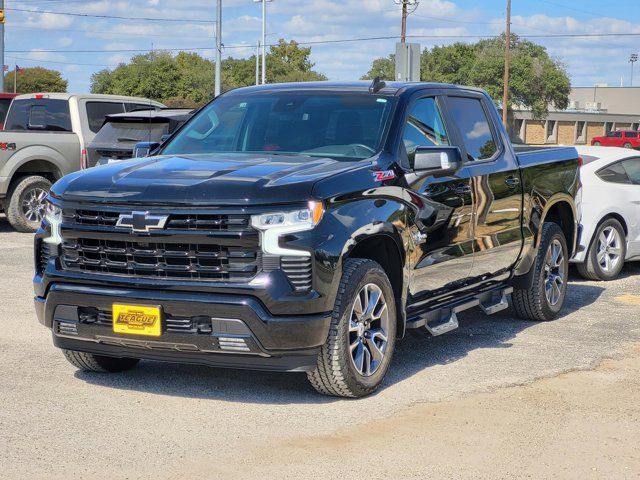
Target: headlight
column 53, row 216
column 275, row 224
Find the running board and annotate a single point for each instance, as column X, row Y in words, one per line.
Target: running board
column 444, row 318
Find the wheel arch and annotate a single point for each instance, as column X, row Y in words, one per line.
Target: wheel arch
column 385, row 249
column 561, row 210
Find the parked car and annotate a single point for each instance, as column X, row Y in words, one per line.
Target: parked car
column 122, row 131
column 5, row 102
column 306, row 227
column 610, row 212
column 45, row 137
column 619, row 138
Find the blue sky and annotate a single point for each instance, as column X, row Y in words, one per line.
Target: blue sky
column 48, row 40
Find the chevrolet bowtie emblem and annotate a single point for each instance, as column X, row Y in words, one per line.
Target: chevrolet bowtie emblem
column 141, row 221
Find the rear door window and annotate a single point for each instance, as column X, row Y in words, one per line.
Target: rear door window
column 631, row 134
column 474, row 126
column 97, row 111
column 614, row 173
column 43, row 114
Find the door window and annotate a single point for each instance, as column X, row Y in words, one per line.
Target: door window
column 471, row 119
column 97, row 111
column 424, row 127
column 614, row 173
column 632, row 167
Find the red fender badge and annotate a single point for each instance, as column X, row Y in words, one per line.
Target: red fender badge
column 382, row 176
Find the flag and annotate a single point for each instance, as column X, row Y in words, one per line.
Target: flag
column 19, row 70
column 6, row 68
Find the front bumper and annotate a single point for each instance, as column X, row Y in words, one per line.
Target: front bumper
column 210, row 329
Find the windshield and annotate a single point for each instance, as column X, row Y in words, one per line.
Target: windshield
column 335, row 125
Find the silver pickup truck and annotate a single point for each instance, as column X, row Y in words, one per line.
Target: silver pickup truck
column 45, row 137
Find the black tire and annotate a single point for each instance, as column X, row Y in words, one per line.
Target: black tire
column 596, row 144
column 534, row 303
column 18, row 193
column 591, row 269
column 627, row 145
column 89, row 362
column 336, row 373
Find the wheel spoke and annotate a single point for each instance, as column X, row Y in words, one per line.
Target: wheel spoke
column 358, row 357
column 374, row 297
column 376, row 353
column 366, row 369
column 353, row 326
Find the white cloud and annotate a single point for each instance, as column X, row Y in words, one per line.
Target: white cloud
column 38, row 54
column 48, row 21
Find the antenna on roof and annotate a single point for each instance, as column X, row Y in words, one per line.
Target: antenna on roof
column 376, row 85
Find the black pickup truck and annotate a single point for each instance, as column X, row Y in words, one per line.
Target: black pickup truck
column 306, row 227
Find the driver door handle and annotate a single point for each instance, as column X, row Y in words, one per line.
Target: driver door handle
column 511, row 181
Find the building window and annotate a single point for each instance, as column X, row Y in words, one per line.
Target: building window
column 551, row 131
column 608, row 127
column 635, row 126
column 581, row 132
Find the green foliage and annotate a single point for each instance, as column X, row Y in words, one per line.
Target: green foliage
column 187, row 79
column 382, row 68
column 537, row 81
column 36, row 79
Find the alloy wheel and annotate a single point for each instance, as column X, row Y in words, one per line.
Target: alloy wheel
column 554, row 271
column 368, row 329
column 609, row 249
column 33, row 204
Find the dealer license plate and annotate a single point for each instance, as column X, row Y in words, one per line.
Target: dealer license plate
column 137, row 320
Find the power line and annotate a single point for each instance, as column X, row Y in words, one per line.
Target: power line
column 117, row 17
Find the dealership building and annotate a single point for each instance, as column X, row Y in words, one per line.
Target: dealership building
column 592, row 111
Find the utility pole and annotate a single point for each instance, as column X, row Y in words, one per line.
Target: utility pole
column 403, row 31
column 258, row 63
column 2, row 45
column 218, row 86
column 507, row 57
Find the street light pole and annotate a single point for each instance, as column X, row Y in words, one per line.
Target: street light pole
column 218, row 86
column 264, row 39
column 507, row 58
column 633, row 59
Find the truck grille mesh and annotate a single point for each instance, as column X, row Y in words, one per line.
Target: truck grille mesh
column 140, row 258
column 176, row 221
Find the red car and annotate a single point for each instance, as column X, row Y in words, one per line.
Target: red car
column 619, row 138
column 5, row 101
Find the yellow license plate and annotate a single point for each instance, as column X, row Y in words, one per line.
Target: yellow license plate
column 137, row 320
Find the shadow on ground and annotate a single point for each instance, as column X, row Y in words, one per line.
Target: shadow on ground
column 413, row 355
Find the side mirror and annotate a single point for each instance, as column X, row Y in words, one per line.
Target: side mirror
column 143, row 149
column 437, row 161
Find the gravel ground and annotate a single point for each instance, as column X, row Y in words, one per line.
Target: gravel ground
column 178, row 421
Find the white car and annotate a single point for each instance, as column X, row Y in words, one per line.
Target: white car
column 610, row 211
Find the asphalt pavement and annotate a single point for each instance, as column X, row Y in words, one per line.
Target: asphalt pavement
column 180, row 421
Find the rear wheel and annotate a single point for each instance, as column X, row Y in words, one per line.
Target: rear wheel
column 362, row 335
column 89, row 362
column 627, row 145
column 26, row 206
column 596, row 144
column 606, row 254
column 544, row 299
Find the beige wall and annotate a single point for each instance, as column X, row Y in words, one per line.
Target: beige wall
column 534, row 132
column 566, row 133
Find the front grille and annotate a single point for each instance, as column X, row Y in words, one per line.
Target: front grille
column 140, row 258
column 298, row 271
column 176, row 221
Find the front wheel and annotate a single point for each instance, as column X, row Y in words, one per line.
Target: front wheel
column 361, row 340
column 544, row 299
column 596, row 144
column 627, row 145
column 606, row 254
column 26, row 206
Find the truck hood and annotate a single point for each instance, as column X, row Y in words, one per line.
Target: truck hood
column 238, row 179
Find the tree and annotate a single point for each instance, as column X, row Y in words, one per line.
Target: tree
column 537, row 81
column 382, row 68
column 36, row 79
column 187, row 79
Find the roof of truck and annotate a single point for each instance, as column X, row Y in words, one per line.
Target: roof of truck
column 87, row 96
column 390, row 88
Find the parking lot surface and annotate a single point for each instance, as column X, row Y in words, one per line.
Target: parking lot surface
column 180, row 421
